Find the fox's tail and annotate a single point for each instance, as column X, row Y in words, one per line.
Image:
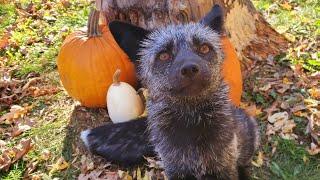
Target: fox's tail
column 123, row 143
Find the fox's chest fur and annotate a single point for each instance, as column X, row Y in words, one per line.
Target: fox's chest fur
column 196, row 138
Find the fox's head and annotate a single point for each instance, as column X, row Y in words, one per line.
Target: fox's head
column 178, row 61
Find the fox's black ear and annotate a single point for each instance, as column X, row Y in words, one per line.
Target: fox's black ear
column 214, row 18
column 128, row 37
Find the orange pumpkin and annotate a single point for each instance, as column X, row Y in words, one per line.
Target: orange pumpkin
column 88, row 60
column 231, row 71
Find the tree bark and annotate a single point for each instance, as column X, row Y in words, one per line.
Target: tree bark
column 253, row 38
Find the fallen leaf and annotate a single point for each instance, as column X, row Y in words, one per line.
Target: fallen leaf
column 30, row 168
column 285, row 105
column 36, row 91
column 298, row 108
column 288, row 126
column 272, row 108
column 94, row 175
column 301, row 114
column 286, row 6
column 23, row 148
column 259, row 160
column 30, row 82
column 286, row 81
column 16, row 112
column 270, row 130
column 86, row 164
column 5, row 161
column 124, row 175
column 282, row 88
column 314, row 92
column 45, row 154
column 4, row 41
column 314, row 149
column 279, row 124
column 19, row 129
column 311, row 102
column 65, row 3
column 35, row 177
column 265, row 87
column 251, row 110
column 61, row 164
column 2, row 143
column 10, row 156
column 278, row 116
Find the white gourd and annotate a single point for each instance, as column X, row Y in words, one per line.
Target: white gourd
column 123, row 102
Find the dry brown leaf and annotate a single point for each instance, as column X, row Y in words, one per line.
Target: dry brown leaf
column 16, row 112
column 279, row 124
column 259, row 161
column 278, row 116
column 287, row 130
column 61, row 164
column 314, row 92
column 311, row 102
column 285, row 80
column 19, row 129
column 253, row 110
column 286, row 6
column 45, row 154
column 4, row 41
column 35, row 177
column 314, row 149
column 282, row 88
column 30, row 82
column 270, row 130
column 288, row 126
column 272, row 108
column 95, row 175
column 23, row 148
column 86, row 164
column 301, row 114
column 124, row 175
column 36, row 91
column 299, row 107
column 266, row 87
column 285, row 105
column 10, row 156
column 5, row 161
column 65, row 3
column 31, row 166
column 2, row 143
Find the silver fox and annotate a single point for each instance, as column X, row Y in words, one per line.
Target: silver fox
column 191, row 125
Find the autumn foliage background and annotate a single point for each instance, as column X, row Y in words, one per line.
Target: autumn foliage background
column 39, row 122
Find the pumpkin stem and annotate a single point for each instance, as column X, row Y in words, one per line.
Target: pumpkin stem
column 116, row 76
column 93, row 24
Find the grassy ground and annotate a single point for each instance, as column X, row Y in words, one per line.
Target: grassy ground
column 35, row 32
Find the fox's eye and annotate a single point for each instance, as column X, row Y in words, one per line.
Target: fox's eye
column 204, row 49
column 164, row 56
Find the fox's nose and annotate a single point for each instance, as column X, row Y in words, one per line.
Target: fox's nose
column 189, row 70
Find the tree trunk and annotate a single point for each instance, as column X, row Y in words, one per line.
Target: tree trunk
column 250, row 34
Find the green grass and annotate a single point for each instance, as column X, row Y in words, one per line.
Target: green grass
column 37, row 39
column 288, row 162
column 301, row 25
column 7, row 16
